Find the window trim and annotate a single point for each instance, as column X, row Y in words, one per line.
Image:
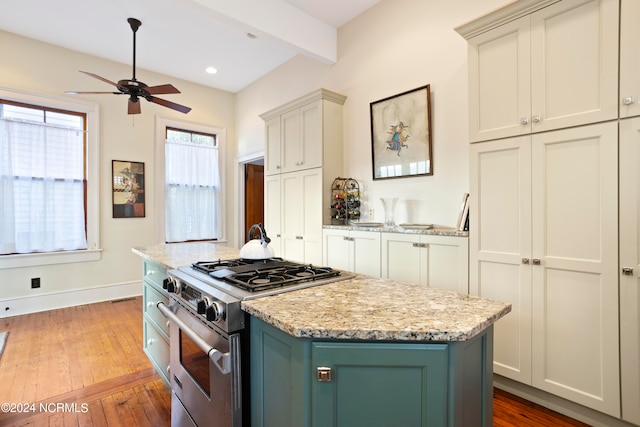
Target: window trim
column 162, row 123
column 92, row 110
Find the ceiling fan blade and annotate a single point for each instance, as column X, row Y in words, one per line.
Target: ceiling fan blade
column 161, row 89
column 169, row 104
column 74, row 92
column 95, row 76
column 134, row 107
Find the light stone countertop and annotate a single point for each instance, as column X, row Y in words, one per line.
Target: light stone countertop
column 435, row 230
column 174, row 255
column 361, row 308
column 368, row 308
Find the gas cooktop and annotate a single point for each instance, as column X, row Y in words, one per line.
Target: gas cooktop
column 261, row 275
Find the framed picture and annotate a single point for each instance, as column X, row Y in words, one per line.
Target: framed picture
column 128, row 189
column 401, row 135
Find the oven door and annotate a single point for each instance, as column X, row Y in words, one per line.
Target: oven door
column 205, row 369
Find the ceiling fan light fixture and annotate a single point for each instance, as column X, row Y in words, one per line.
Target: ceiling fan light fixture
column 211, row 70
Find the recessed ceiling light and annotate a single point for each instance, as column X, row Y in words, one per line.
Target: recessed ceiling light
column 211, row 70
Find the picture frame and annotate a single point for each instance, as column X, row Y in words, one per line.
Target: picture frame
column 128, row 189
column 401, row 143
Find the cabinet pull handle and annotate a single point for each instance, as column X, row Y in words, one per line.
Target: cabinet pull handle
column 323, row 374
column 525, row 261
column 278, row 167
column 420, row 245
column 299, row 237
column 350, row 239
column 536, row 261
column 536, row 118
column 628, row 100
column 627, row 271
column 524, row 120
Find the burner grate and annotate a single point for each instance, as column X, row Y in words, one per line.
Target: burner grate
column 289, row 274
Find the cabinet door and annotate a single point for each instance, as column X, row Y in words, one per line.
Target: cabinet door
column 574, row 63
column 630, row 259
column 291, row 217
column 290, row 154
column 337, row 249
column 272, row 144
column 575, row 282
column 272, row 212
column 499, row 82
column 365, row 257
column 447, row 262
column 629, row 58
column 380, row 385
column 500, row 206
column 403, row 259
column 311, row 136
column 301, row 216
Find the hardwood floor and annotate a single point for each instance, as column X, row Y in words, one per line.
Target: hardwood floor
column 84, row 366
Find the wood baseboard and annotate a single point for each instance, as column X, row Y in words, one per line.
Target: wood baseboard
column 70, row 298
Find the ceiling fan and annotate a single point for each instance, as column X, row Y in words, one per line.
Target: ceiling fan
column 136, row 89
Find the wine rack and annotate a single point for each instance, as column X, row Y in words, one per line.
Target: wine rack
column 345, row 201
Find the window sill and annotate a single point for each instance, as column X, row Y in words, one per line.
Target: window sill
column 49, row 258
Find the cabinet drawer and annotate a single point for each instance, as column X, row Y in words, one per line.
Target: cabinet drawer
column 156, row 348
column 150, row 299
column 154, row 272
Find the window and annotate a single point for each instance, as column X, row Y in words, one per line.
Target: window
column 192, row 185
column 42, row 179
column 48, row 179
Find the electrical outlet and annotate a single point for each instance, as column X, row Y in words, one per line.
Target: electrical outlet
column 371, row 213
column 35, row 282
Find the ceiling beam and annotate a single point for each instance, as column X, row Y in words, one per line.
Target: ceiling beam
column 281, row 22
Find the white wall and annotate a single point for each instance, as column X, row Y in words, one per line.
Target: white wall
column 396, row 46
column 38, row 67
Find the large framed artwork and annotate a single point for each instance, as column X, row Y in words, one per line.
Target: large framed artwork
column 401, row 135
column 128, row 189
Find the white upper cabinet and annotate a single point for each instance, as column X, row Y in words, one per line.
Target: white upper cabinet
column 304, row 134
column 629, row 58
column 531, row 72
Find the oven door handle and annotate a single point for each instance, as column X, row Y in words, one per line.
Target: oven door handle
column 220, row 359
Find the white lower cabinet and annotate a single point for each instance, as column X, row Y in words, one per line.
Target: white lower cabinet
column 301, row 210
column 630, row 269
column 355, row 251
column 426, row 259
column 545, row 238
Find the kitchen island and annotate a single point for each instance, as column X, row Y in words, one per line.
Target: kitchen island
column 363, row 351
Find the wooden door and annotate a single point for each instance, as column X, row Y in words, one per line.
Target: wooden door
column 253, row 196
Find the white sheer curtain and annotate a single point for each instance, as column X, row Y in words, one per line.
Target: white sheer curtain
column 41, row 188
column 192, row 183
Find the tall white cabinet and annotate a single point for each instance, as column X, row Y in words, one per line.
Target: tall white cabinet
column 543, row 98
column 303, row 155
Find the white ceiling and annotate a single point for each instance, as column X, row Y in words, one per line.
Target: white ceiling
column 181, row 38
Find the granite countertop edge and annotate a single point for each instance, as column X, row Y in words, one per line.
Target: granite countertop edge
column 436, row 230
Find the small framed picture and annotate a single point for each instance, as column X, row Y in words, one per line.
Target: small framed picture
column 128, row 189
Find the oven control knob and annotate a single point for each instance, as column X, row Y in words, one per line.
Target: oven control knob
column 202, row 306
column 173, row 286
column 214, row 312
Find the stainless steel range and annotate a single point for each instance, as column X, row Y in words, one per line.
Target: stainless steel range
column 209, row 348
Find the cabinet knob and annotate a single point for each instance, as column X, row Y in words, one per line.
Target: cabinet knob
column 627, row 271
column 536, row 118
column 151, row 304
column 536, row 261
column 525, row 261
column 323, row 374
column 149, row 342
column 524, row 120
column 278, row 167
column 628, row 100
